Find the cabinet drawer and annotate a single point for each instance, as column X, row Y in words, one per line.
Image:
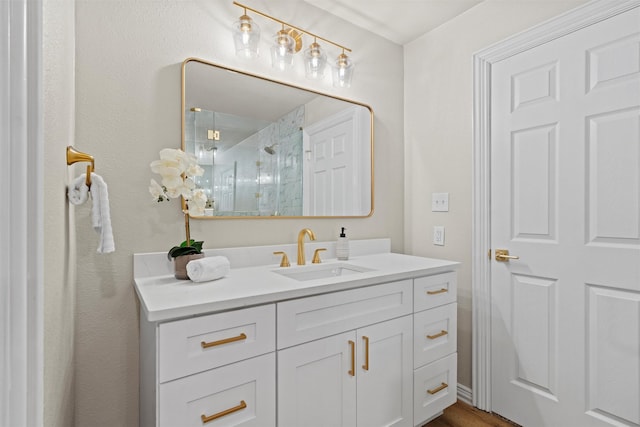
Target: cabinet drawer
column 240, row 394
column 193, row 345
column 432, row 291
column 434, row 388
column 311, row 318
column 435, row 334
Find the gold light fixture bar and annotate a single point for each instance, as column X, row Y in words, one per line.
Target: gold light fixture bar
column 292, row 26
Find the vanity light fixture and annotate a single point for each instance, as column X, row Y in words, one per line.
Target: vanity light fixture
column 284, row 47
column 342, row 71
column 315, row 61
column 246, row 35
column 287, row 42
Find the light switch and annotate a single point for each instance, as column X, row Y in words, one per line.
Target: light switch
column 440, row 202
column 438, row 235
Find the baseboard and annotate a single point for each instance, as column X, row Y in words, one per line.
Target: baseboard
column 465, row 394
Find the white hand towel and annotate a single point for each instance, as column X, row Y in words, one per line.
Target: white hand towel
column 78, row 192
column 101, row 215
column 208, row 268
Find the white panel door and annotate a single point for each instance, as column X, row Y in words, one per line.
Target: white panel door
column 317, row 383
column 565, row 198
column 385, row 374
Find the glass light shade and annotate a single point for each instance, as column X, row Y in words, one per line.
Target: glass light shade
column 342, row 71
column 282, row 50
column 246, row 36
column 315, row 61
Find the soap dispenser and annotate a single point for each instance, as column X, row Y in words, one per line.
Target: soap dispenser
column 342, row 247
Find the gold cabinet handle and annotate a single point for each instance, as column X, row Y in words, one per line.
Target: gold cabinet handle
column 502, row 255
column 240, row 337
column 440, row 291
column 441, row 387
column 206, row 419
column 366, row 353
column 352, row 372
column 441, row 334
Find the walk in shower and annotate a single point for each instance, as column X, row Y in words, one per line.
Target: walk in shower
column 251, row 167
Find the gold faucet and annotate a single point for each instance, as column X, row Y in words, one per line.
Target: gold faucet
column 301, row 234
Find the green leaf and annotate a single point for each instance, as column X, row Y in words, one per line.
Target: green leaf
column 197, row 245
column 177, row 251
column 194, row 247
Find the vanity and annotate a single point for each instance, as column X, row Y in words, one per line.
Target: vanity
column 366, row 342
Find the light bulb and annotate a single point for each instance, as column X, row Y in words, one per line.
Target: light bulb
column 282, row 50
column 315, row 61
column 246, row 36
column 342, row 71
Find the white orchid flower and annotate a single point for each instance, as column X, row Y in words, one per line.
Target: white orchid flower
column 194, row 170
column 172, row 181
column 157, row 191
column 177, row 169
column 166, row 167
column 197, row 202
column 171, row 154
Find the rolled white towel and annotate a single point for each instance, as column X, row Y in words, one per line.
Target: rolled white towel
column 78, row 192
column 208, row 268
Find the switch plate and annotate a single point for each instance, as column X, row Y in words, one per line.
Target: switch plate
column 438, row 235
column 440, row 202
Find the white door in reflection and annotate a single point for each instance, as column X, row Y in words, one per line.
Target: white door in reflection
column 332, row 172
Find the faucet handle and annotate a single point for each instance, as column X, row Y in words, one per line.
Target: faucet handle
column 316, row 256
column 285, row 259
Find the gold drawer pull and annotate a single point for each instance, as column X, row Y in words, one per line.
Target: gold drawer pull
column 366, row 353
column 352, row 371
column 441, row 387
column 206, row 419
column 441, row 334
column 441, row 291
column 240, row 337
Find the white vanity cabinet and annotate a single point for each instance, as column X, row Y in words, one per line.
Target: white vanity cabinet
column 257, row 348
column 361, row 377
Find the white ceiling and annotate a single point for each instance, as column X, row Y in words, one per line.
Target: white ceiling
column 400, row 21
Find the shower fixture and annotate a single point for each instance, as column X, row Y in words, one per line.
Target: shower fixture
column 270, row 149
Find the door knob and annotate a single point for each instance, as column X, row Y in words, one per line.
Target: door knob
column 502, row 255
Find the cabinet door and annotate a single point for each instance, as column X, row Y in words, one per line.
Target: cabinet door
column 317, row 383
column 385, row 374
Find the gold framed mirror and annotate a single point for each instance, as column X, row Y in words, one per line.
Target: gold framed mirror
column 274, row 150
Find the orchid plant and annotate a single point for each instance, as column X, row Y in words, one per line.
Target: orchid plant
column 177, row 170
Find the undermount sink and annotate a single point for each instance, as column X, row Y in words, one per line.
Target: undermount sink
column 322, row 271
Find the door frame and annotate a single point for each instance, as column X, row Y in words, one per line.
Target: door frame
column 21, row 216
column 566, row 23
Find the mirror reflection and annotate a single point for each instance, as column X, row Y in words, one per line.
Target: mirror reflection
column 271, row 150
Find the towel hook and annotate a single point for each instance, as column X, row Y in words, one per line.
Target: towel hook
column 74, row 156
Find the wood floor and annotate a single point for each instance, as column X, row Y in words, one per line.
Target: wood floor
column 463, row 415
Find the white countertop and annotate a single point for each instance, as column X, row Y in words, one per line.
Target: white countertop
column 164, row 298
